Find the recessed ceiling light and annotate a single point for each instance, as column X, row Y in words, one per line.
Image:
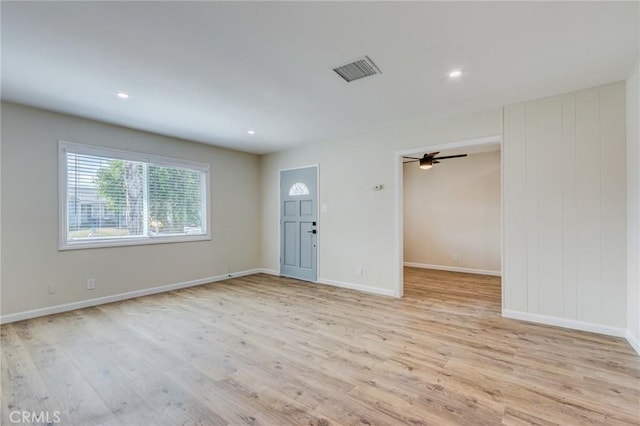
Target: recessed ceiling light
column 251, row 132
column 455, row 73
column 122, row 95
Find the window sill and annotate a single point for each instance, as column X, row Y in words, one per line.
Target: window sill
column 124, row 242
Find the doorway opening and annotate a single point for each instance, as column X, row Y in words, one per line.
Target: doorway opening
column 449, row 214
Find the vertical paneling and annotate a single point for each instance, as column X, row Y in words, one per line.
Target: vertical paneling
column 516, row 208
column 589, row 274
column 565, row 206
column 506, row 260
column 532, row 165
column 632, row 101
column 569, row 265
column 613, row 207
column 550, row 207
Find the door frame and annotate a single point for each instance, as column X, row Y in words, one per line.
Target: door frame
column 319, row 224
column 399, row 203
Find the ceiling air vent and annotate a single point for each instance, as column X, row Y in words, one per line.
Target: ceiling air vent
column 355, row 70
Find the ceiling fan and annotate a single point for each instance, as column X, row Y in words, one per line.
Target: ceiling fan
column 428, row 160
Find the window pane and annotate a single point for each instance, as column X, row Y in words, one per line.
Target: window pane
column 175, row 201
column 298, row 188
column 105, row 198
column 122, row 198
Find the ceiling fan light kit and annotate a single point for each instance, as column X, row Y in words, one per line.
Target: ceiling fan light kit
column 425, row 165
column 428, row 160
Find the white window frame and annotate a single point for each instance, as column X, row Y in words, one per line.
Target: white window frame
column 64, row 244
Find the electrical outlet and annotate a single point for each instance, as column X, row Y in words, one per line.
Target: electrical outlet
column 52, row 288
column 91, row 283
column 455, row 257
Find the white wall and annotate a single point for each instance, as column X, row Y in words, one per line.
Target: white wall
column 565, row 210
column 358, row 228
column 633, row 207
column 30, row 256
column 454, row 208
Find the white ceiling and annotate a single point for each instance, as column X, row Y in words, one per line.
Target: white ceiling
column 208, row 71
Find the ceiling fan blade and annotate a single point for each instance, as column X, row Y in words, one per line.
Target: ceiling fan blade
column 413, row 158
column 432, row 154
column 450, row 156
column 411, row 161
column 435, row 162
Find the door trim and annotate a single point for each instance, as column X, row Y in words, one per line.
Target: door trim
column 399, row 208
column 318, row 227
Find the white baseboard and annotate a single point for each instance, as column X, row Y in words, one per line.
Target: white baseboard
column 342, row 284
column 268, row 271
column 566, row 323
column 358, row 287
column 453, row 269
column 19, row 316
column 633, row 342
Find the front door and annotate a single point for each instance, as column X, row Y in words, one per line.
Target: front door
column 298, row 223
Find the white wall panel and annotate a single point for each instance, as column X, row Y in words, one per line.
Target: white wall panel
column 633, row 206
column 569, row 223
column 613, row 197
column 550, row 207
column 533, row 153
column 588, row 217
column 515, row 219
column 574, row 193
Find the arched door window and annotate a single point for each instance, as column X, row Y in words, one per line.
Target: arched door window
column 298, row 188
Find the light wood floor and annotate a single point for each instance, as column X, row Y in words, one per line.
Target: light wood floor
column 274, row 351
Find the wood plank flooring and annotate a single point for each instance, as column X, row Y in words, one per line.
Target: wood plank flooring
column 262, row 350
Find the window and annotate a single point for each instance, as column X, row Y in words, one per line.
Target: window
column 298, row 188
column 113, row 198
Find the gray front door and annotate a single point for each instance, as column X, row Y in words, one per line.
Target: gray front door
column 298, row 223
